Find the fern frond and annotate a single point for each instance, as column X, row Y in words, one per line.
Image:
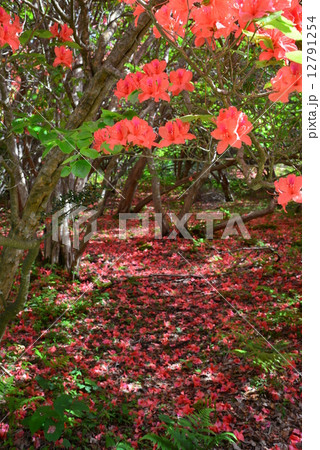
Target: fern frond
column 162, row 442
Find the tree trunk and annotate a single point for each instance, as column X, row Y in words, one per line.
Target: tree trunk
column 193, row 190
column 156, row 195
column 131, row 185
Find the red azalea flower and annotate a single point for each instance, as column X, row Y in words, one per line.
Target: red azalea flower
column 294, row 13
column 170, row 21
column 155, row 87
column 9, row 31
column 232, row 129
column 174, row 133
column 124, row 88
column 54, row 30
column 4, row 16
column 155, row 67
column 137, row 13
column 63, row 57
column 289, row 189
column 180, row 80
column 118, row 134
column 287, row 80
column 100, row 137
column 253, row 9
column 278, row 47
column 140, row 133
column 65, row 33
column 129, row 84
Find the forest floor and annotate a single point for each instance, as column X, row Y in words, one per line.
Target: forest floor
column 163, row 326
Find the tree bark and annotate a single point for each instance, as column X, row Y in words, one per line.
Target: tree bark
column 156, row 195
column 163, row 191
column 193, row 190
column 131, row 185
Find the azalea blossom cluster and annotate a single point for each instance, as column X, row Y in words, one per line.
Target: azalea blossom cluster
column 9, row 30
column 275, row 44
column 63, row 54
column 287, row 80
column 135, row 131
column 213, row 19
column 154, row 82
column 138, row 132
column 289, row 189
column 232, row 129
column 64, row 34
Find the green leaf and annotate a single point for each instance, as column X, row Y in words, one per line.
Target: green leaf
column 106, row 147
column 46, row 34
column 90, row 153
column 133, row 97
column 85, row 134
column 18, row 125
column 161, row 441
column 166, row 419
column 110, row 442
column 124, row 446
column 81, row 168
column 62, row 403
column 34, row 131
column 53, row 430
column 84, row 143
column 65, row 147
column 282, row 24
column 36, row 421
column 65, row 171
column 105, row 113
column 78, row 406
column 269, row 18
column 46, row 136
column 42, row 382
column 71, row 159
column 25, row 36
column 72, row 45
column 295, row 56
column 191, row 117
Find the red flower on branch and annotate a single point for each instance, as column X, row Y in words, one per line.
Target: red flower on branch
column 276, row 45
column 63, row 57
column 54, row 30
column 100, row 137
column 118, row 134
column 289, row 189
column 287, row 80
column 233, row 127
column 9, row 30
column 256, row 9
column 65, row 33
column 155, row 67
column 140, row 133
column 180, row 80
column 175, row 133
column 125, row 87
column 155, row 87
column 170, row 22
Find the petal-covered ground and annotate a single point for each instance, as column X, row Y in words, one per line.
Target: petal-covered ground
column 164, row 326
